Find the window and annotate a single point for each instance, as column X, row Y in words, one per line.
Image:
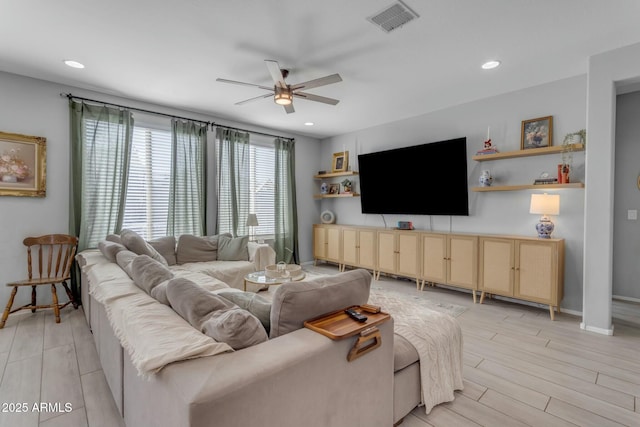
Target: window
column 147, row 201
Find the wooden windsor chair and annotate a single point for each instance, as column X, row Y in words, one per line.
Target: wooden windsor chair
column 54, row 255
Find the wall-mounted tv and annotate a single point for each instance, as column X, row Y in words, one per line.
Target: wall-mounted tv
column 427, row 179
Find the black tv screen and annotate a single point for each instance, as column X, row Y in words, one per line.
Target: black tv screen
column 427, row 179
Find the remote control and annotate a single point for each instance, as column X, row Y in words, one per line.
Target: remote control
column 355, row 315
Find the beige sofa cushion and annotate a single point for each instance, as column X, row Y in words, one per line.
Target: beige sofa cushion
column 215, row 316
column 166, row 246
column 233, row 249
column 197, row 249
column 252, row 302
column 295, row 302
column 115, row 238
column 110, row 249
column 124, row 260
column 147, row 273
column 135, row 243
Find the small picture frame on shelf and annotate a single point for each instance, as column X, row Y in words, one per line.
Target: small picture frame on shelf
column 340, row 161
column 537, row 133
column 334, row 188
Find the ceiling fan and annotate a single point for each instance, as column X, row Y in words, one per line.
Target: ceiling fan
column 284, row 93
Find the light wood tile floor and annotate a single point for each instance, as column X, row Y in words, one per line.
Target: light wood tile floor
column 521, row 369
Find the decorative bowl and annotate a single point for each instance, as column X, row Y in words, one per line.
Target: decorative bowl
column 282, row 271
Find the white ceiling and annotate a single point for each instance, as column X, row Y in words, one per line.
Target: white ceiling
column 170, row 52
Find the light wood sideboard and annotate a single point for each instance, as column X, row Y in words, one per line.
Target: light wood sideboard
column 524, row 268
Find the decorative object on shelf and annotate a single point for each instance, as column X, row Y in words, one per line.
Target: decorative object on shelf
column 568, row 145
column 485, row 178
column 346, row 185
column 564, row 170
column 321, row 172
column 334, row 188
column 545, row 205
column 324, row 188
column 22, row 165
column 545, row 179
column 252, row 221
column 340, row 161
column 405, row 225
column 537, row 133
column 488, row 147
column 327, row 217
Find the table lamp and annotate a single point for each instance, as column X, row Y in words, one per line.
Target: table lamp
column 252, row 221
column 545, row 205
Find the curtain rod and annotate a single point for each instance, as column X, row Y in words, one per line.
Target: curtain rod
column 251, row 131
column 70, row 96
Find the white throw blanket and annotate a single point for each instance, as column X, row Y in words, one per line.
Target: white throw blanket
column 438, row 339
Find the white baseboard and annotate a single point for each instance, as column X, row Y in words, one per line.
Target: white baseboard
column 601, row 331
column 571, row 312
column 621, row 298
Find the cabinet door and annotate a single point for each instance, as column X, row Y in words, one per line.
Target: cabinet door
column 350, row 246
column 333, row 244
column 367, row 249
column 434, row 254
column 497, row 266
column 408, row 254
column 536, row 271
column 387, row 251
column 463, row 261
column 319, row 242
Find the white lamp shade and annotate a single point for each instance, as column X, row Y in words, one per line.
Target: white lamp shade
column 252, row 220
column 545, row 204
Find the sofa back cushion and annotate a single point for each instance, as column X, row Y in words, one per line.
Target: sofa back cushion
column 135, row 243
column 124, row 260
column 295, row 302
column 166, row 246
column 214, row 316
column 197, row 249
column 148, row 273
column 233, row 249
column 110, row 249
column 252, row 302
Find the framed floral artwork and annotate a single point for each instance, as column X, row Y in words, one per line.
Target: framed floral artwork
column 340, row 161
column 537, row 133
column 22, row 165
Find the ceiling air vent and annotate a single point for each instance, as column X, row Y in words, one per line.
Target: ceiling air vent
column 392, row 17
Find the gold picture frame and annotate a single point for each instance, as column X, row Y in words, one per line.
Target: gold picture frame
column 334, row 188
column 23, row 165
column 537, row 133
column 340, row 162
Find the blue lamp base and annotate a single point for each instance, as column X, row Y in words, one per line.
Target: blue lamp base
column 544, row 228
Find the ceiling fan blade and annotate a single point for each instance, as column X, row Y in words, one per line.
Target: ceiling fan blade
column 244, row 84
column 289, row 108
column 246, row 101
column 322, row 81
column 276, row 74
column 317, row 98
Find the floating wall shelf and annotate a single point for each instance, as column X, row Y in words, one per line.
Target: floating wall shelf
column 530, row 152
column 330, row 196
column 335, row 174
column 528, row 187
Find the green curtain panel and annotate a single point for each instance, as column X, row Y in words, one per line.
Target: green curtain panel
column 187, row 204
column 286, row 212
column 233, row 181
column 100, row 154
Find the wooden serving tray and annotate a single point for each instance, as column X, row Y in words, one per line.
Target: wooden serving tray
column 338, row 325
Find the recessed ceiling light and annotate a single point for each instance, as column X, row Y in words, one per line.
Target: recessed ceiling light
column 73, row 64
column 490, row 65
column 309, row 124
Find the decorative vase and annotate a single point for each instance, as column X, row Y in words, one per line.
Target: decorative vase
column 486, row 179
column 324, row 188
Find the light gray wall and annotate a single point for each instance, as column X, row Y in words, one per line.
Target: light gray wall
column 494, row 212
column 34, row 107
column 626, row 233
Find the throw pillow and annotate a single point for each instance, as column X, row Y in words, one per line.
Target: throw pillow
column 124, row 260
column 253, row 303
column 197, row 249
column 214, row 316
column 147, row 273
column 115, row 238
column 233, row 249
column 295, row 302
column 135, row 243
column 166, row 246
column 110, row 249
column 159, row 293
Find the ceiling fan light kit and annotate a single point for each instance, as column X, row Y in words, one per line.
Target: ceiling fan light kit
column 283, row 93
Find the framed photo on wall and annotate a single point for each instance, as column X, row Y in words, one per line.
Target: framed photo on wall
column 22, row 165
column 340, row 162
column 537, row 133
column 334, row 188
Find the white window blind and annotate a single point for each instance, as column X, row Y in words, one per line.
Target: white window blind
column 147, row 200
column 262, row 196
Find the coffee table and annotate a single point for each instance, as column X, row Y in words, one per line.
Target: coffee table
column 260, row 278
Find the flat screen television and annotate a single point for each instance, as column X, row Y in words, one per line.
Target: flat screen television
column 427, row 179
